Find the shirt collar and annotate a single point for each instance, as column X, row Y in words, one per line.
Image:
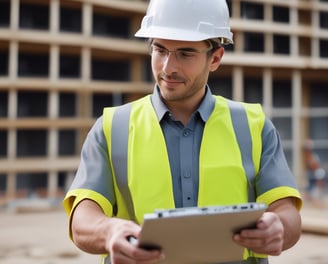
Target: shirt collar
column 205, row 109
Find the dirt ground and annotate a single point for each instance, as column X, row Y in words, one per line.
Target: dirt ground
column 41, row 238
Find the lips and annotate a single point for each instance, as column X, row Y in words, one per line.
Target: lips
column 173, row 80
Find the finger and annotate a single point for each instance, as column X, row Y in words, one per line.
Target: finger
column 119, row 258
column 141, row 254
column 273, row 248
column 133, row 254
column 262, row 244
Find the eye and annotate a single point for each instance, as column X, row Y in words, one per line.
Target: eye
column 159, row 50
column 186, row 54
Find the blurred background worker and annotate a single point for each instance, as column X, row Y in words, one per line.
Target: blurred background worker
column 316, row 175
column 181, row 146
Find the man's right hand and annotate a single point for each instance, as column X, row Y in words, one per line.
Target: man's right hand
column 95, row 233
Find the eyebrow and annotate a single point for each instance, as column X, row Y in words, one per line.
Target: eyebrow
column 189, row 49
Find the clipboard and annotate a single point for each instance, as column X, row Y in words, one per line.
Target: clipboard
column 198, row 235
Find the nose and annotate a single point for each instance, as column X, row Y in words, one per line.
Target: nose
column 170, row 63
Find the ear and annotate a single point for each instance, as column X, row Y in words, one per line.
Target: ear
column 215, row 59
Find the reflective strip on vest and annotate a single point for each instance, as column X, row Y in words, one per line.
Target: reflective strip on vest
column 119, row 150
column 243, row 135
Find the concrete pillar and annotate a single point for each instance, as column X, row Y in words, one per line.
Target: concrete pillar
column 267, row 91
column 54, row 16
column 11, row 186
column 296, row 124
column 87, row 19
column 54, row 63
column 238, row 84
column 52, row 184
column 13, row 60
column 14, row 14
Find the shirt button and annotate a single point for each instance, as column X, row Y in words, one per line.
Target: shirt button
column 187, row 174
column 186, row 133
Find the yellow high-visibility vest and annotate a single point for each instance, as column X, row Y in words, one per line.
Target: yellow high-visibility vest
column 147, row 177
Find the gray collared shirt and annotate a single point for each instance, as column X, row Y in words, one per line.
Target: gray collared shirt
column 183, row 145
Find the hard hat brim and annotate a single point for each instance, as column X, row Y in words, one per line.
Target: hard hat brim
column 178, row 34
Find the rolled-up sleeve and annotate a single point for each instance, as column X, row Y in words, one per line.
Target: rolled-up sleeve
column 275, row 179
column 93, row 179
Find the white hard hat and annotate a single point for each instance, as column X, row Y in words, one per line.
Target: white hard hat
column 186, row 20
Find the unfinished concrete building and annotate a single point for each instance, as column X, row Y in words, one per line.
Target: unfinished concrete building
column 62, row 61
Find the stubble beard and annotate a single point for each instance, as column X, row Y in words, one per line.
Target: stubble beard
column 190, row 89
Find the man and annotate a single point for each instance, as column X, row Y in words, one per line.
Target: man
column 179, row 147
column 316, row 175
